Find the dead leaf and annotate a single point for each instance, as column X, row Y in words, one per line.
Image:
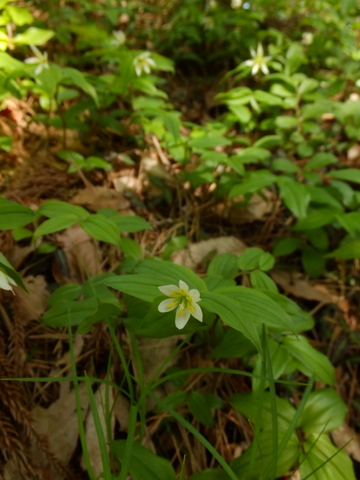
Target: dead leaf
column 344, row 434
column 91, row 435
column 31, row 306
column 121, row 411
column 82, row 255
column 95, row 198
column 193, row 254
column 295, row 284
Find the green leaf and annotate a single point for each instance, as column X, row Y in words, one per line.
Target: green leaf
column 250, row 259
column 294, row 58
column 295, row 196
column 78, row 79
column 286, row 122
column 262, row 281
column 225, row 265
column 10, row 64
column 268, row 141
column 125, row 223
column 13, row 215
column 11, row 272
column 199, row 407
column 310, row 361
column 320, row 160
column 230, row 311
column 20, row 16
column 208, row 142
column 312, row 261
column 55, row 224
column 101, row 229
column 350, row 221
column 267, row 98
column 315, row 219
column 234, row 344
column 6, row 143
column 253, row 182
column 130, row 248
column 143, row 463
column 324, row 411
column 241, row 112
column 257, row 307
column 348, row 251
column 317, row 453
column 69, row 313
column 349, row 174
column 143, row 286
column 56, row 208
column 34, row 36
column 286, row 246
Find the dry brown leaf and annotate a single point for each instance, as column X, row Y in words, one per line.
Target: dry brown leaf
column 127, row 183
column 95, row 198
column 257, row 208
column 121, row 411
column 193, row 254
column 155, row 351
column 30, row 306
column 295, row 284
column 82, row 255
column 59, row 424
column 344, row 434
column 92, row 442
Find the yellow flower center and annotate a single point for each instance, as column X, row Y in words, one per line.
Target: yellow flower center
column 182, row 299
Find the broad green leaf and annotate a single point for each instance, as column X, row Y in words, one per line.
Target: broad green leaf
column 241, row 112
column 295, row 196
column 286, row 122
column 20, row 16
column 307, row 85
column 284, row 165
column 320, row 160
column 317, row 452
column 234, row 344
column 125, row 223
column 250, row 259
column 312, row 261
column 10, row 64
column 101, row 228
column 268, row 141
column 64, row 294
column 14, row 215
column 324, row 411
column 6, row 143
column 257, row 307
column 315, row 219
column 225, row 265
column 350, row 221
column 253, row 154
column 130, row 248
column 171, row 273
column 267, row 98
column 319, row 238
column 262, row 281
column 199, row 407
column 347, row 251
column 69, row 313
column 208, row 142
column 310, row 361
column 230, row 311
column 143, row 463
column 253, row 182
column 34, row 36
column 349, row 174
column 56, row 208
column 294, row 58
column 143, row 286
column 321, row 196
column 286, row 246
column 77, row 78
column 55, row 224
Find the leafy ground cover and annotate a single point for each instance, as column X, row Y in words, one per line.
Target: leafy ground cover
column 180, row 240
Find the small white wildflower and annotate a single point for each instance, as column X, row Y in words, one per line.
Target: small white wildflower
column 258, row 61
column 184, row 300
column 6, row 282
column 119, row 38
column 236, row 4
column 143, row 63
column 41, row 59
column 307, row 38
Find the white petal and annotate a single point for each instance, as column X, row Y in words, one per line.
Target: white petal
column 31, row 60
column 195, row 295
column 146, row 68
column 168, row 289
column 253, row 53
column 151, row 62
column 181, row 320
column 264, row 69
column 198, row 314
column 255, row 69
column 35, row 50
column 167, row 305
column 260, row 50
column 183, row 285
column 248, row 63
column 6, row 282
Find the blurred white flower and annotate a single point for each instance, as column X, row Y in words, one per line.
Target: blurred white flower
column 41, row 59
column 258, row 61
column 119, row 38
column 184, row 300
column 143, row 63
column 208, row 23
column 236, row 4
column 6, row 281
column 307, row 38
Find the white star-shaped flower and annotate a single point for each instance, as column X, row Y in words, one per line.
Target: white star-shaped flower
column 184, row 300
column 6, row 282
column 143, row 63
column 236, row 4
column 119, row 38
column 258, row 61
column 41, row 59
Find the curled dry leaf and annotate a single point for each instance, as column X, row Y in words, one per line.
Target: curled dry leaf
column 82, row 255
column 193, row 254
column 30, row 306
column 295, row 284
column 345, row 434
column 95, row 198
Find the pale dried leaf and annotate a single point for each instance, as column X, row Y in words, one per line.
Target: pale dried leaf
column 92, row 442
column 295, row 284
column 127, row 183
column 121, row 411
column 296, row 475
column 95, row 198
column 31, row 306
column 59, row 424
column 154, row 352
column 344, row 434
column 353, row 153
column 82, row 254
column 193, row 254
